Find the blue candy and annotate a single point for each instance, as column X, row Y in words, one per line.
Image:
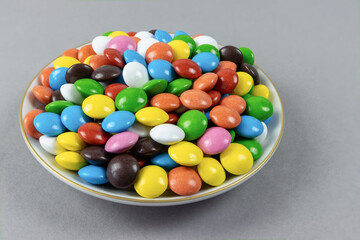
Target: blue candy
column 224, row 95
column 180, row 33
column 93, row 174
column 207, row 61
column 161, row 69
column 249, row 127
column 120, row 79
column 266, row 121
column 207, row 114
column 73, row 117
column 133, row 56
column 57, row 78
column 49, row 123
column 118, row 121
column 165, row 161
column 163, row 36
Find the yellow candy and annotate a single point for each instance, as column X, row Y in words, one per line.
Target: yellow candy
column 65, row 61
column 180, row 48
column 186, row 153
column 211, row 171
column 117, row 33
column 261, row 91
column 87, row 60
column 71, row 160
column 244, row 84
column 236, row 159
column 151, row 116
column 151, row 182
column 71, row 141
column 98, row 106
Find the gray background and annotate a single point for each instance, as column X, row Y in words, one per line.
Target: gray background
column 309, row 190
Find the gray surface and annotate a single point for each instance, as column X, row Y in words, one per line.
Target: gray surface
column 309, row 190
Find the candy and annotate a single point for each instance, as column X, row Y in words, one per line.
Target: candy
column 65, row 61
column 88, row 87
column 133, row 56
column 70, row 93
column 236, row 159
column 181, row 49
column 196, row 99
column 78, row 71
column 144, row 44
column 29, row 123
column 144, row 34
column 188, row 40
column 48, row 123
column 186, row 153
column 205, row 82
column 139, row 129
column 233, row 134
column 155, row 86
column 161, row 69
column 244, row 84
column 114, row 57
column 97, row 61
column 121, row 142
column 178, row 86
column 260, row 91
column 98, row 106
column 93, row 174
column 122, row 170
column 106, row 73
column 51, row 145
column 227, row 81
column 70, row 160
column 211, row 171
column 166, row 101
column 57, row 106
column 135, row 74
column 147, row 147
column 248, row 55
column 56, row 96
column 93, row 134
column 44, row 76
column 159, row 50
column 193, row 123
column 234, row 102
column 72, row 52
column 245, row 67
column 253, row 145
column 151, row 116
column 131, row 99
column 201, row 40
column 173, row 118
column 184, row 181
column 177, row 33
column 99, row 44
column 224, row 65
column 214, row 140
column 73, row 117
column 233, row 54
column 249, row 127
column 261, row 138
column 118, row 121
column 259, row 107
column 96, row 154
column 122, row 43
column 71, row 141
column 187, row 68
column 85, row 52
column 151, row 181
column 207, row 48
column 207, row 61
column 162, row 36
column 215, row 97
column 225, row 117
column 113, row 90
column 57, row 78
column 117, row 33
column 165, row 161
column 266, row 121
column 42, row 93
column 167, row 134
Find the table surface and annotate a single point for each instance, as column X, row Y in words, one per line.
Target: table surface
column 310, row 189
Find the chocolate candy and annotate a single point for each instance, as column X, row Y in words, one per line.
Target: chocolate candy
column 56, row 96
column 146, row 147
column 245, row 67
column 96, row 154
column 78, row 71
column 115, row 57
column 106, row 73
column 187, row 68
column 122, row 170
column 227, row 81
column 233, row 54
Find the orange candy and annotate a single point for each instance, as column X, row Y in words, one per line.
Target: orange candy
column 97, row 61
column 184, row 181
column 166, row 101
column 205, row 82
column 136, row 39
column 44, row 76
column 131, row 34
column 85, row 52
column 159, row 50
column 195, row 99
column 197, row 35
column 42, row 93
column 225, row 117
column 29, row 123
column 72, row 52
column 225, row 64
column 235, row 102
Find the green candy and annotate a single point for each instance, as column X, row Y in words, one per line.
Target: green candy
column 88, row 87
column 107, row 33
column 207, row 48
column 232, row 134
column 246, row 96
column 58, row 106
column 193, row 123
column 178, row 86
column 131, row 99
column 248, row 55
column 258, row 107
column 188, row 40
column 253, row 146
column 155, row 86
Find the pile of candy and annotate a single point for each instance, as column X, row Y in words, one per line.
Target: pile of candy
column 150, row 110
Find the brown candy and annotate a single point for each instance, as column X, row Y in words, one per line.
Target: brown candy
column 56, row 96
column 96, row 154
column 233, row 54
column 106, row 73
column 146, row 147
column 245, row 67
column 122, row 170
column 78, row 71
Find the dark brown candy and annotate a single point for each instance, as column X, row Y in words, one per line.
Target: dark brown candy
column 153, row 31
column 245, row 67
column 78, row 71
column 146, row 147
column 106, row 73
column 122, row 170
column 56, row 96
column 96, row 154
column 233, row 54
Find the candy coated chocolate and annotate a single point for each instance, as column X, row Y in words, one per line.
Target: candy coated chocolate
column 146, row 147
column 78, row 71
column 106, row 73
column 122, row 170
column 233, row 54
column 97, row 154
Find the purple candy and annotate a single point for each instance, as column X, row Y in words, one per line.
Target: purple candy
column 121, row 142
column 122, row 43
column 214, row 140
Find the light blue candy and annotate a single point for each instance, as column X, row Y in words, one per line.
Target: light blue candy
column 249, row 127
column 266, row 121
column 118, row 121
column 224, row 95
column 49, row 123
column 180, row 33
column 93, row 174
column 165, row 161
column 163, row 36
column 73, row 117
column 161, row 69
column 207, row 114
column 207, row 61
column 57, row 78
column 133, row 56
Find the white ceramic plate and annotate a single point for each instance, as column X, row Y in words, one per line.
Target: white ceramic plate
column 275, row 129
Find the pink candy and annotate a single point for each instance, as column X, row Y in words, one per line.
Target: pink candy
column 214, row 140
column 121, row 142
column 122, row 43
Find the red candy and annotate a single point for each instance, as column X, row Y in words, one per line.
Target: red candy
column 215, row 97
column 159, row 50
column 225, row 117
column 115, row 57
column 187, row 68
column 227, row 80
column 93, row 134
column 113, row 90
column 29, row 123
column 184, row 181
column 44, row 76
column 173, row 118
column 205, row 82
column 195, row 99
column 43, row 94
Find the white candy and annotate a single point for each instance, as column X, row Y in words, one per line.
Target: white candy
column 261, row 138
column 141, row 130
column 69, row 92
column 99, row 44
column 144, row 44
column 135, row 74
column 200, row 40
column 144, row 34
column 167, row 134
column 51, row 145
